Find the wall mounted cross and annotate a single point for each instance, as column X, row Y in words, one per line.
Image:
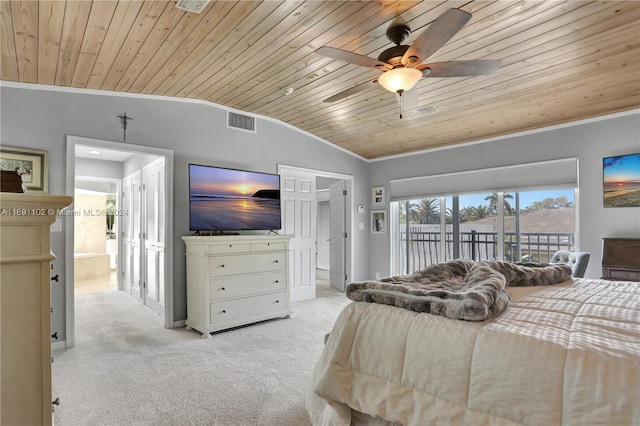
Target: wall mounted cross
column 123, row 120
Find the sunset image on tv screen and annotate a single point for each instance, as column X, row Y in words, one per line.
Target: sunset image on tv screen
column 621, row 183
column 228, row 199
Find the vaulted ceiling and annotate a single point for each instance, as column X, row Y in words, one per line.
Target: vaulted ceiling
column 562, row 61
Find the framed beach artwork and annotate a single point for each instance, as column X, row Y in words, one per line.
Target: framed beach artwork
column 377, row 196
column 621, row 180
column 378, row 221
column 30, row 164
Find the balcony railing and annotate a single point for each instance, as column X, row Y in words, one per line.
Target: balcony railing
column 424, row 247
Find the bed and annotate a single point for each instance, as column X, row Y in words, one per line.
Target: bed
column 561, row 354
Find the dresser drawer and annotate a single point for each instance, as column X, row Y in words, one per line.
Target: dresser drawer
column 222, row 288
column 234, row 309
column 221, row 266
column 268, row 246
column 621, row 274
column 228, row 248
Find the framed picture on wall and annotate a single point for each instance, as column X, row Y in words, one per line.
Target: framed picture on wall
column 378, row 221
column 30, row 164
column 621, row 180
column 377, row 196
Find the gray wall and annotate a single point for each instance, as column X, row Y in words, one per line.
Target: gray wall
column 590, row 142
column 136, row 163
column 197, row 133
column 98, row 168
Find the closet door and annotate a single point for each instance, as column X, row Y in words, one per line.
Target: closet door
column 154, row 236
column 125, row 233
column 132, row 235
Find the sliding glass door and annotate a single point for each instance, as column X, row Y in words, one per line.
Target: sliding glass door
column 419, row 236
column 525, row 226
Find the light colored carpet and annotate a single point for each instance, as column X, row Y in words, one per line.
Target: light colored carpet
column 126, row 369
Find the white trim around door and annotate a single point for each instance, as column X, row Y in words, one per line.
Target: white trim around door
column 168, row 154
column 349, row 207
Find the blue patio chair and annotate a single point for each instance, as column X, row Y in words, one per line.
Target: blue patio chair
column 578, row 261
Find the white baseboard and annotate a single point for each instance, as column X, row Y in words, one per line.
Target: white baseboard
column 322, row 274
column 179, row 324
column 61, row 344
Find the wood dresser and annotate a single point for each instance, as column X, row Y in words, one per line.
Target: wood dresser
column 236, row 280
column 621, row 259
column 25, row 307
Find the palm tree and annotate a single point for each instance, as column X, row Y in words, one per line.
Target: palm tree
column 449, row 216
column 467, row 213
column 493, row 203
column 411, row 214
column 481, row 211
column 428, row 210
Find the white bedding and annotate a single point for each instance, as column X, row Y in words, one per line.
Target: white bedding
column 567, row 354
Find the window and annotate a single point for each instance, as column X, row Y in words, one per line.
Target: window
column 419, row 233
column 521, row 212
column 531, row 226
column 538, row 224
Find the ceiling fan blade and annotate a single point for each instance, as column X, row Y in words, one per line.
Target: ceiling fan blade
column 459, row 68
column 352, row 91
column 409, row 100
column 435, row 36
column 352, row 58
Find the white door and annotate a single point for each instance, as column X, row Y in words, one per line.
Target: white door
column 154, row 238
column 132, row 235
column 125, row 233
column 299, row 215
column 337, row 234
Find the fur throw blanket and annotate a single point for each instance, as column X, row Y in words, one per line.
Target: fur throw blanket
column 458, row 289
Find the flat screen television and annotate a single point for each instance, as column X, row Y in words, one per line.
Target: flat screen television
column 222, row 199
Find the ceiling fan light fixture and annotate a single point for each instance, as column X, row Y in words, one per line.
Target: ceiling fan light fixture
column 399, row 79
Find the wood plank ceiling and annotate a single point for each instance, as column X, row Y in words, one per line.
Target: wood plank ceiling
column 561, row 61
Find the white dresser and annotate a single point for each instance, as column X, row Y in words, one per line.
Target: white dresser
column 25, row 307
column 235, row 280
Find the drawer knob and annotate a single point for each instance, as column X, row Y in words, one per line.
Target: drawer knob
column 276, row 281
column 222, row 266
column 224, row 312
column 222, row 289
column 277, row 301
column 275, row 261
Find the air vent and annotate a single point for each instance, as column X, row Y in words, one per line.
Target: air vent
column 195, row 6
column 420, row 112
column 241, row 122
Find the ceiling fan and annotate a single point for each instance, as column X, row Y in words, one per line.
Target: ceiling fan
column 402, row 65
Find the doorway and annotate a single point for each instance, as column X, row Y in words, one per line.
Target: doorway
column 300, row 209
column 147, row 220
column 331, row 197
column 95, row 257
